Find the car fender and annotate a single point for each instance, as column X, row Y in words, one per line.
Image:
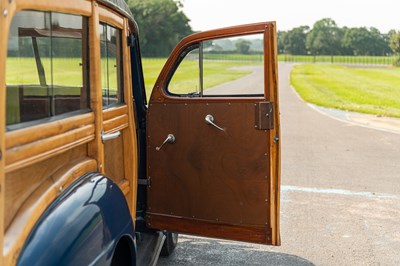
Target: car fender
column 82, row 226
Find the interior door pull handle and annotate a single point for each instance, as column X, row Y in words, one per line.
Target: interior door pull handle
column 170, row 139
column 210, row 121
column 105, row 137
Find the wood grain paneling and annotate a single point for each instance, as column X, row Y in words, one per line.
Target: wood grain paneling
column 271, row 85
column 96, row 149
column 42, row 161
column 112, row 112
column 37, row 151
column 130, row 144
column 115, row 124
column 124, row 185
column 108, row 16
column 253, row 234
column 208, row 174
column 44, row 192
column 46, row 130
column 71, row 6
column 114, row 160
column 210, row 177
column 4, row 29
column 21, row 184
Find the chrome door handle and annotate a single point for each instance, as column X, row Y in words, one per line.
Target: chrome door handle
column 170, row 139
column 105, row 137
column 210, row 121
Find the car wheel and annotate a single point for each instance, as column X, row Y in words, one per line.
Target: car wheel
column 169, row 244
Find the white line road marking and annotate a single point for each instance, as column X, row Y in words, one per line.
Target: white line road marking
column 340, row 192
column 346, row 119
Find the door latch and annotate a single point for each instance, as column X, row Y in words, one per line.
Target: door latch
column 264, row 116
column 144, row 181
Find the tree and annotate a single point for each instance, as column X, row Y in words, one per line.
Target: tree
column 395, row 42
column 363, row 41
column 281, row 36
column 295, row 41
column 395, row 45
column 243, row 46
column 379, row 44
column 324, row 38
column 162, row 24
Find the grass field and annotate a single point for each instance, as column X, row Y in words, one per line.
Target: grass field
column 186, row 78
column 68, row 72
column 365, row 90
column 24, row 71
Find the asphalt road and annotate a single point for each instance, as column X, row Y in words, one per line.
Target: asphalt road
column 340, row 202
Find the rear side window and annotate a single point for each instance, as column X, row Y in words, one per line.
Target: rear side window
column 111, row 65
column 47, row 67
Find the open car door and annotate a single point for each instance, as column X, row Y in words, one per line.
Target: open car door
column 213, row 156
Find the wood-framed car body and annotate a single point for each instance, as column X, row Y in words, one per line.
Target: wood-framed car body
column 40, row 162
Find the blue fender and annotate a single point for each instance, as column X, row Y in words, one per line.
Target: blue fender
column 82, row 226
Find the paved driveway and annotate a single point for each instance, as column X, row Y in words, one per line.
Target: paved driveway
column 340, row 200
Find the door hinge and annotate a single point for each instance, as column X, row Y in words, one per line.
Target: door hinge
column 144, row 182
column 131, row 40
column 264, row 116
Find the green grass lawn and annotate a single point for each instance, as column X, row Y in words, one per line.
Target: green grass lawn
column 186, row 78
column 68, row 72
column 23, row 70
column 366, row 90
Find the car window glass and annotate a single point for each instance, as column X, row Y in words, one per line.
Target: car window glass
column 111, row 64
column 46, row 66
column 231, row 66
column 186, row 79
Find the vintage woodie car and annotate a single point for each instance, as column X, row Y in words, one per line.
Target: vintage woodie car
column 92, row 174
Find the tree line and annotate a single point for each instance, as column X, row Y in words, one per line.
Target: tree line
column 326, row 38
column 162, row 24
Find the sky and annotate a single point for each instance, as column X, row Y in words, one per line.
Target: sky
column 212, row 14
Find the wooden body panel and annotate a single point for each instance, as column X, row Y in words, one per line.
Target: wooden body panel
column 39, row 162
column 271, row 85
column 20, row 184
column 3, row 55
column 223, row 169
column 209, row 177
column 260, row 235
column 46, row 190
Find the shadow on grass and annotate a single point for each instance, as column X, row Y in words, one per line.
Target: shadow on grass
column 205, row 251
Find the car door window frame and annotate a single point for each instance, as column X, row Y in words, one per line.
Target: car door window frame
column 200, row 93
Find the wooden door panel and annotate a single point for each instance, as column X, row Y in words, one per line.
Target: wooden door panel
column 211, row 182
column 208, row 174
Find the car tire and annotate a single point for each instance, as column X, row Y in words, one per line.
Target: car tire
column 169, row 244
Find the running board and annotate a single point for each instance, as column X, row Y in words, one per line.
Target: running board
column 149, row 247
